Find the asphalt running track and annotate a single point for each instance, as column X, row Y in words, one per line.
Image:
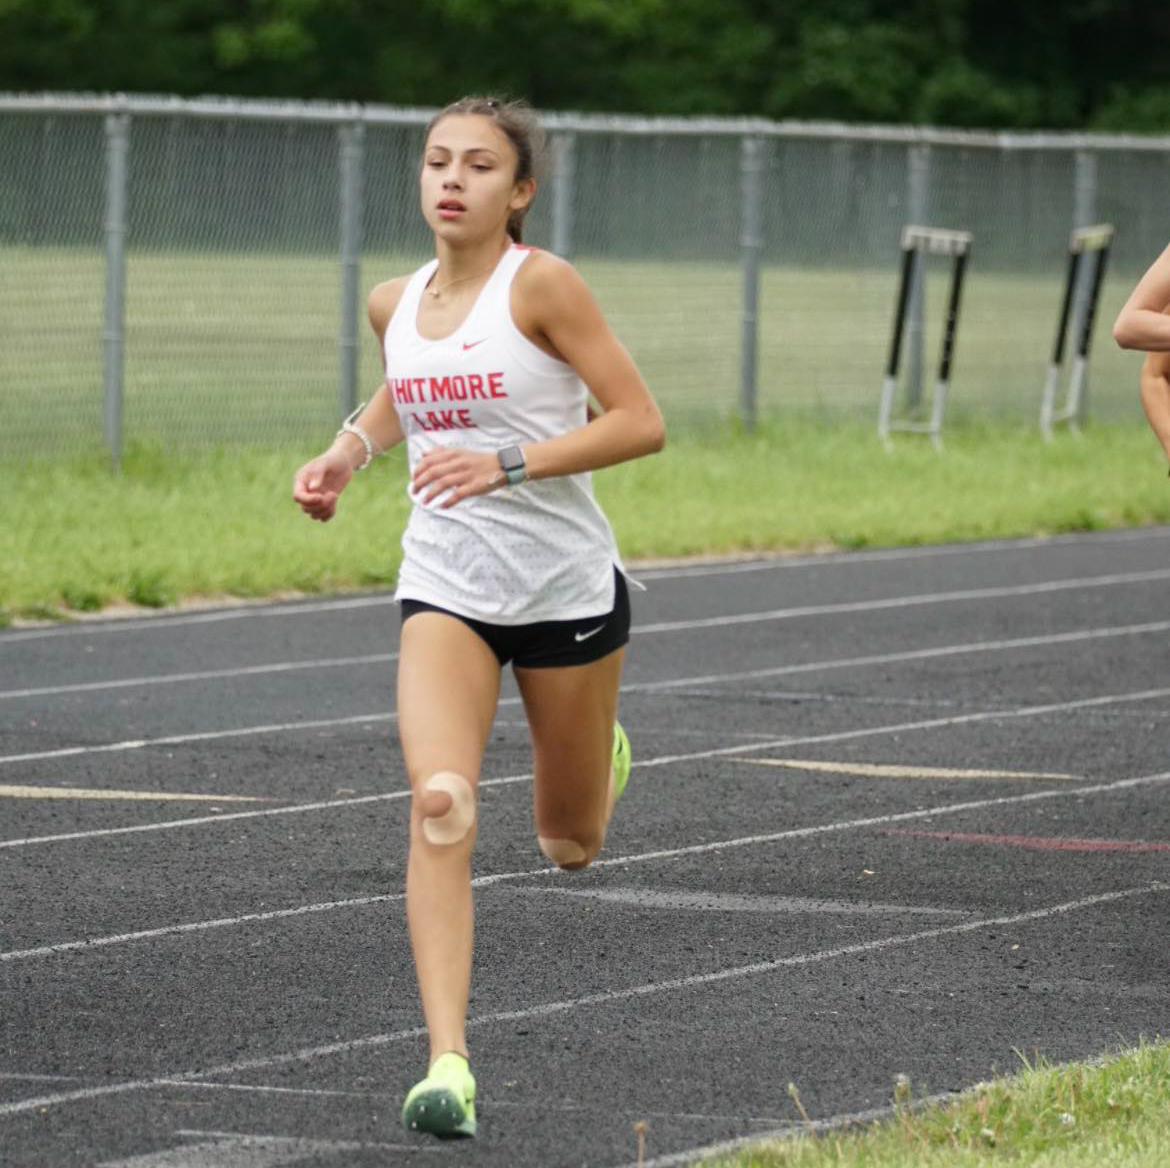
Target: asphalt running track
column 892, row 812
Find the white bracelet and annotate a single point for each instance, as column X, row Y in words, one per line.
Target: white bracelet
column 349, row 426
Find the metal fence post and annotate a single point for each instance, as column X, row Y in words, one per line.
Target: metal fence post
column 753, row 161
column 113, row 334
column 1084, row 215
column 1085, row 189
column 917, row 215
column 564, row 186
column 352, row 161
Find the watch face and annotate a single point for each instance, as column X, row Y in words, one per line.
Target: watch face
column 511, row 459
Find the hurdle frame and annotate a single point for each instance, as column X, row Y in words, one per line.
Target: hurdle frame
column 1098, row 240
column 917, row 243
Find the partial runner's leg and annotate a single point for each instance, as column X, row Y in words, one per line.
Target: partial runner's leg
column 571, row 714
column 448, row 687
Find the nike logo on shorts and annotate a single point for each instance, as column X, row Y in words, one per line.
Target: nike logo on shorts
column 586, row 636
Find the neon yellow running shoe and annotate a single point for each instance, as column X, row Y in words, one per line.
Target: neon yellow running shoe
column 621, row 760
column 444, row 1102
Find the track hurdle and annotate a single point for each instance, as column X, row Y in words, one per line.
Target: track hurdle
column 1095, row 243
column 917, row 244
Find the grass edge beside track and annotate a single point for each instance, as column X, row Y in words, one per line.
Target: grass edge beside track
column 221, row 523
column 1111, row 1112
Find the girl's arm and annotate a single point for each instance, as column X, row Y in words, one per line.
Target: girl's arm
column 556, row 309
column 1156, row 394
column 319, row 483
column 379, row 419
column 1142, row 323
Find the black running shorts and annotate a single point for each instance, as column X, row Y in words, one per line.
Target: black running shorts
column 549, row 643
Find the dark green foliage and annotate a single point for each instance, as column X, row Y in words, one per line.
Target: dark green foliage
column 82, row 598
column 995, row 63
column 149, row 588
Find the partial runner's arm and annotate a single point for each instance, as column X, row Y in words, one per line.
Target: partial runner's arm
column 556, row 308
column 1156, row 394
column 318, row 484
column 1143, row 323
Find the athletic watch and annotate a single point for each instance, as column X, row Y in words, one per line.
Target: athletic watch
column 512, row 464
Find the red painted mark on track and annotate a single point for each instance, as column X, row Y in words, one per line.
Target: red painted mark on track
column 1042, row 843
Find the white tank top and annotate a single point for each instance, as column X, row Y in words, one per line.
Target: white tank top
column 539, row 551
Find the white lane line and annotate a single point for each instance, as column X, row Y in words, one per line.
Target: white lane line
column 239, row 1150
column 906, row 727
column 265, row 1089
column 202, row 736
column 197, row 927
column 327, row 1146
column 613, row 861
column 776, row 614
column 541, row 1105
column 605, row 997
column 721, row 902
column 836, row 558
column 880, row 820
column 201, row 820
column 880, row 770
column 661, row 760
column 713, row 567
column 955, row 650
column 827, row 697
column 32, row 1078
column 15, row 791
column 162, row 620
column 629, row 687
column 200, row 675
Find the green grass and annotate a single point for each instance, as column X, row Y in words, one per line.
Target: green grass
column 1109, row 1114
column 175, row 526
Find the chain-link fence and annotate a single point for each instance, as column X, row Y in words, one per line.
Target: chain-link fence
column 194, row 272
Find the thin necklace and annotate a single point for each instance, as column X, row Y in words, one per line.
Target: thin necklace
column 434, row 293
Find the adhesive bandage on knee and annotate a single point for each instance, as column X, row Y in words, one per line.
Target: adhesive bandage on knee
column 565, row 853
column 453, row 824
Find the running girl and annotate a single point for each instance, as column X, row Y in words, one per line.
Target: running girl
column 1144, row 324
column 491, row 350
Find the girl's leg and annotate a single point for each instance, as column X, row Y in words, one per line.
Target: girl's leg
column 448, row 687
column 571, row 711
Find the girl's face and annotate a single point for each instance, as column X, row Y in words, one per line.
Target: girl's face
column 468, row 183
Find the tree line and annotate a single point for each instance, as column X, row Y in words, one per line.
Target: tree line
column 1060, row 64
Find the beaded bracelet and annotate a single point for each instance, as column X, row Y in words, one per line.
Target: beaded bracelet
column 349, row 426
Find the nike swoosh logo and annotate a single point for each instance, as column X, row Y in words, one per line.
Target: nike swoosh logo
column 471, row 344
column 586, row 636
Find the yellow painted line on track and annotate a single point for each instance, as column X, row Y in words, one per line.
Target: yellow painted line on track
column 14, row 791
column 893, row 771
